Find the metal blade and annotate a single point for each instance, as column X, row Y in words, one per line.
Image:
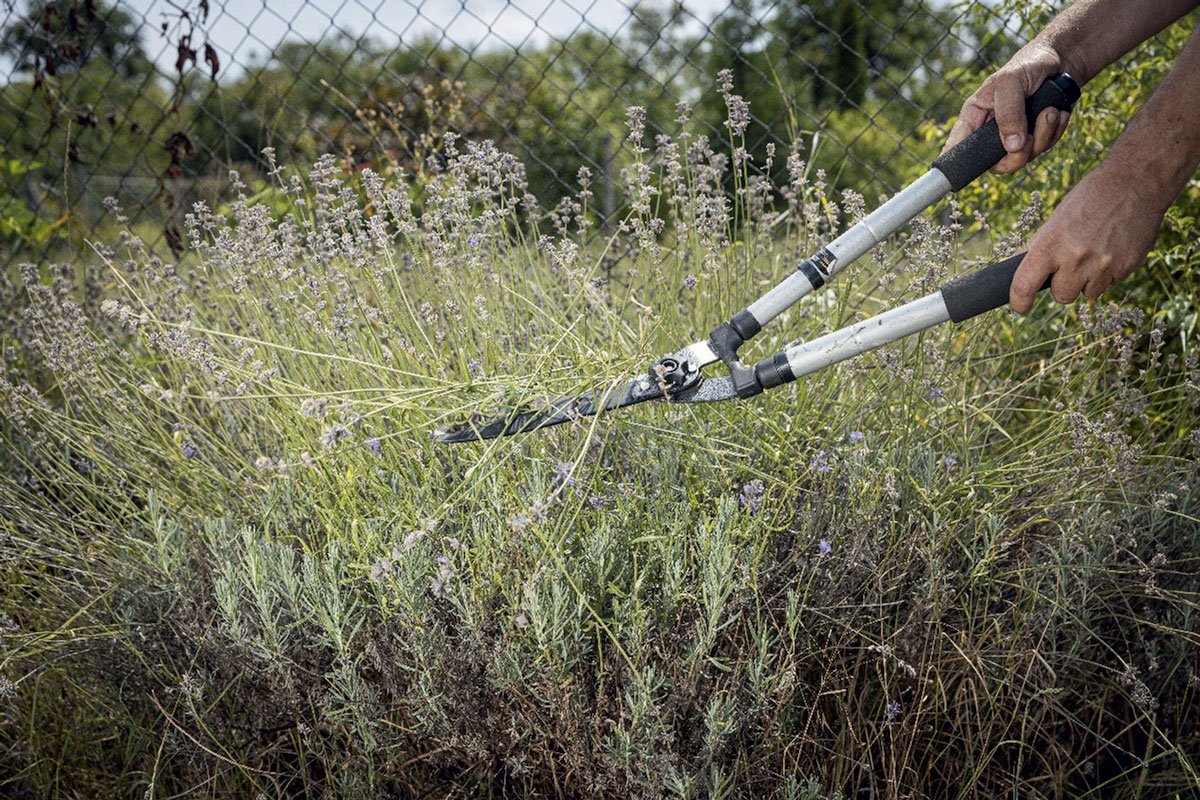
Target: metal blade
column 554, row 412
column 565, row 409
column 709, row 390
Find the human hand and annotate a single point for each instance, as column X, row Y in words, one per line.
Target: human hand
column 1098, row 235
column 1003, row 96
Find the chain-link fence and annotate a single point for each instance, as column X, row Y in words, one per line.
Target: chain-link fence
column 154, row 101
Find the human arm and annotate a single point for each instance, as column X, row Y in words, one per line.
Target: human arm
column 1082, row 40
column 1105, row 226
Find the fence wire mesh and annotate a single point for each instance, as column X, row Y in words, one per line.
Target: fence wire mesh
column 153, row 102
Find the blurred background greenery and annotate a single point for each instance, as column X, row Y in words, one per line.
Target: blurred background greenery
column 153, row 103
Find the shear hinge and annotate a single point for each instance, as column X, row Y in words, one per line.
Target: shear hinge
column 725, row 340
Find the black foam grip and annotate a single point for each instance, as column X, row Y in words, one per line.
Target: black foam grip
column 983, row 289
column 983, row 149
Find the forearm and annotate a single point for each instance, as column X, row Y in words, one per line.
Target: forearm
column 1089, row 35
column 1160, row 149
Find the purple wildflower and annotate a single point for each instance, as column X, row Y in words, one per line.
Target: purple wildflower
column 892, row 710
column 857, row 437
column 950, row 461
column 85, row 466
column 935, row 393
column 819, row 463
column 824, row 547
column 373, row 444
column 190, row 450
column 751, row 495
column 473, row 241
column 596, row 501
column 475, row 365
column 562, row 473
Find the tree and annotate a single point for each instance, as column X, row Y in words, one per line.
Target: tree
column 56, row 36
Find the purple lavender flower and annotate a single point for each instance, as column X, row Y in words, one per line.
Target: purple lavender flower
column 475, row 365
column 190, row 450
column 473, row 241
column 819, row 463
column 751, row 496
column 596, row 501
column 824, row 547
column 84, row 465
column 950, row 461
column 857, row 437
column 562, row 473
column 892, row 710
column 373, row 444
column 935, row 393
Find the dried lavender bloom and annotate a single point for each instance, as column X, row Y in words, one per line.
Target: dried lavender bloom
column 635, row 120
column 264, row 464
column 411, row 539
column 725, row 80
column 892, row 711
column 824, row 547
column 1141, row 692
column 381, row 568
column 597, row 501
column 739, row 115
column 334, row 434
column 519, row 522
column 314, row 407
column 562, row 474
column 750, row 498
column 7, row 688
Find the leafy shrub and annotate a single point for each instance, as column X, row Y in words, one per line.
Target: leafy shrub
column 234, row 562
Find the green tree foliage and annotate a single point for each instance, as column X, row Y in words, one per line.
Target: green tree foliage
column 59, row 36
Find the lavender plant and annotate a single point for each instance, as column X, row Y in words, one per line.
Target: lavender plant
column 235, row 564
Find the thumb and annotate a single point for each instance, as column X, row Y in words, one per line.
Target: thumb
column 1029, row 279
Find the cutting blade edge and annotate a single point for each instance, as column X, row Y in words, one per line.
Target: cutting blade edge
column 565, row 409
column 553, row 412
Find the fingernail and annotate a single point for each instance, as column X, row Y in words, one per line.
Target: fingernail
column 1014, row 142
column 1052, row 116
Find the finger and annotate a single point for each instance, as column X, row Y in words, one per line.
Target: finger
column 971, row 118
column 1067, row 285
column 1014, row 161
column 1009, row 101
column 1028, row 280
column 1044, row 130
column 1095, row 286
column 1064, row 117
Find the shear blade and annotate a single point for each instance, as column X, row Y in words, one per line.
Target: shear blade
column 553, row 412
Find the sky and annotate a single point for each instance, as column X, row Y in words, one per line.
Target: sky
column 243, row 29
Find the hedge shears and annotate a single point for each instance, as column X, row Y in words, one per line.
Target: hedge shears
column 677, row 378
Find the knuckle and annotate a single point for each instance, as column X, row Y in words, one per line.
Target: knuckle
column 1063, row 295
